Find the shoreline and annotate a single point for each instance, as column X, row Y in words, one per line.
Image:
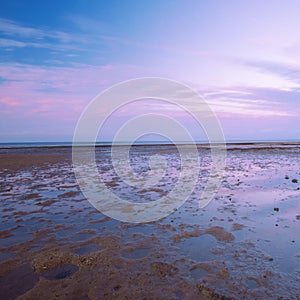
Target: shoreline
column 199, row 144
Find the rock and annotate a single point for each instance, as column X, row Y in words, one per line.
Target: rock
column 276, row 208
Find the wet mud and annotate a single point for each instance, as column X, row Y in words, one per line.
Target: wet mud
column 55, row 245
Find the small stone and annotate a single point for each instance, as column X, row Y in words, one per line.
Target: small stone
column 117, row 287
column 295, row 180
column 276, row 208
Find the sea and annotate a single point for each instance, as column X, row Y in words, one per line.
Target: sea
column 6, row 145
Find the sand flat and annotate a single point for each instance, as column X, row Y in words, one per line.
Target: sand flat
column 244, row 245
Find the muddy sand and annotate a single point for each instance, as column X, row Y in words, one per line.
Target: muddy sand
column 244, row 245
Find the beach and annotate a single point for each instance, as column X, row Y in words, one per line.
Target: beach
column 245, row 244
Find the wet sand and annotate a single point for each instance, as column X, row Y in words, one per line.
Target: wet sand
column 244, row 245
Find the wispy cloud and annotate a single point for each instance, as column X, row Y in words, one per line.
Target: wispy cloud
column 254, row 102
column 97, row 32
column 10, row 43
column 244, row 107
column 56, row 91
column 284, row 70
column 14, row 29
column 9, row 101
column 15, row 35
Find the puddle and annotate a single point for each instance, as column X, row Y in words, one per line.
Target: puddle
column 136, row 254
column 15, row 239
column 62, row 272
column 6, row 256
column 37, row 247
column 17, row 282
column 87, row 249
column 198, row 248
column 198, row 273
column 264, row 198
column 252, row 283
column 81, row 237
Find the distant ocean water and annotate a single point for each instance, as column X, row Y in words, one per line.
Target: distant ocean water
column 107, row 143
column 69, row 144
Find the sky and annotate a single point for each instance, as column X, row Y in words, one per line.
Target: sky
column 243, row 57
